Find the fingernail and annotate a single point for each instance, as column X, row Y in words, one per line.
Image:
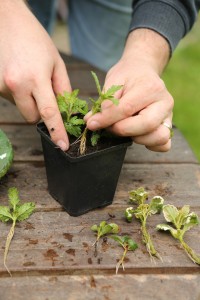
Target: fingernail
column 63, row 146
column 93, row 125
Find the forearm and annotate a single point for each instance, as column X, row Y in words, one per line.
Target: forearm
column 170, row 18
column 148, row 46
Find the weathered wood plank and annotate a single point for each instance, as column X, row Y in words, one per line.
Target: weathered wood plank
column 123, row 287
column 27, row 146
column 54, row 242
column 179, row 184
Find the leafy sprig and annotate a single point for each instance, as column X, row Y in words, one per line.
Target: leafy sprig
column 103, row 229
column 14, row 212
column 128, row 244
column 96, row 107
column 182, row 220
column 142, row 212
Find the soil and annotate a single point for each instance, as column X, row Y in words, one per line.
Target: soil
column 103, row 143
column 106, row 141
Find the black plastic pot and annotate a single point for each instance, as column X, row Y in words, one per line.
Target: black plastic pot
column 82, row 183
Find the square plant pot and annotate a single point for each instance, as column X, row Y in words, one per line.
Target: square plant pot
column 86, row 182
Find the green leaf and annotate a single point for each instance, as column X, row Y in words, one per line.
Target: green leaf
column 5, row 214
column 191, row 221
column 96, row 82
column 102, row 224
column 182, row 216
column 62, row 105
column 115, row 228
column 75, row 121
column 112, row 90
column 129, row 212
column 138, row 196
column 95, row 137
column 94, row 227
column 114, row 101
column 13, row 196
column 170, row 213
column 6, row 154
column 74, row 130
column 132, row 245
column 117, row 238
column 156, row 205
column 169, row 228
column 24, row 211
column 106, row 229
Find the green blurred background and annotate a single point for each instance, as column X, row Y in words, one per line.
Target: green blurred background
column 182, row 78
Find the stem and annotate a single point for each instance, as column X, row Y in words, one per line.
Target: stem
column 83, row 142
column 121, row 261
column 147, row 240
column 8, row 241
column 192, row 255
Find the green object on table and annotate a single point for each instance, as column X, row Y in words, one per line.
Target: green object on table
column 6, row 154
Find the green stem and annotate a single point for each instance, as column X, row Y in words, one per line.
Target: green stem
column 148, row 242
column 8, row 241
column 192, row 255
column 121, row 261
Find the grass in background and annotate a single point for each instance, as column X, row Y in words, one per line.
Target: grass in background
column 182, row 78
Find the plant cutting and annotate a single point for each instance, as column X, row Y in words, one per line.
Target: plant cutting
column 103, row 229
column 128, row 244
column 182, row 220
column 142, row 212
column 15, row 212
column 6, row 154
column 84, row 177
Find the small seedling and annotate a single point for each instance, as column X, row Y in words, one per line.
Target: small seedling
column 96, row 107
column 103, row 229
column 182, row 221
column 127, row 244
column 14, row 212
column 72, row 110
column 142, row 212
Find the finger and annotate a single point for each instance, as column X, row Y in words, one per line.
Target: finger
column 49, row 112
column 158, row 137
column 148, row 120
column 60, row 79
column 163, row 148
column 130, row 104
column 28, row 108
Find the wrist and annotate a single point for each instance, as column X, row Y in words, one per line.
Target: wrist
column 148, row 46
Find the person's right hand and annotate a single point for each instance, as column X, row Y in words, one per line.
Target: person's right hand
column 31, row 69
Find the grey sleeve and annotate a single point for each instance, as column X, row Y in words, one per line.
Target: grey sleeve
column 170, row 18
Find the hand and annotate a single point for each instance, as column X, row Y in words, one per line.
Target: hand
column 31, row 69
column 145, row 102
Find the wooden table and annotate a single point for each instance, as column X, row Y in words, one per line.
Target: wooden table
column 51, row 255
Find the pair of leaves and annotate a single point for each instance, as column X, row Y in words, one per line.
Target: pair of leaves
column 15, row 211
column 138, row 196
column 104, row 228
column 182, row 219
column 125, row 241
column 144, row 210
